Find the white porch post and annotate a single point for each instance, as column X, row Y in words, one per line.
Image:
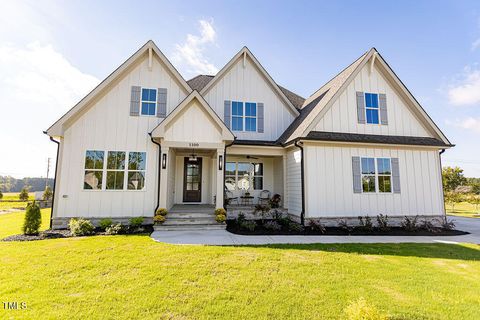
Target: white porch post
column 285, row 188
column 219, row 175
column 164, row 177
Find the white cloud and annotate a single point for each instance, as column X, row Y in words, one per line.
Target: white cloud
column 469, row 123
column 37, row 85
column 189, row 55
column 476, row 44
column 467, row 90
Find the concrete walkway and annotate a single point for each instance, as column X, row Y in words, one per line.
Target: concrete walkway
column 222, row 237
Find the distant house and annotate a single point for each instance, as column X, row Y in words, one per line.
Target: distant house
column 145, row 139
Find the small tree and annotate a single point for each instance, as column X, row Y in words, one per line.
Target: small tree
column 47, row 194
column 452, row 198
column 475, row 200
column 33, row 219
column 1, row 194
column 452, row 178
column 23, row 196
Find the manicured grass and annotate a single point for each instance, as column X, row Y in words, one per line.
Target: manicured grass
column 14, row 205
column 133, row 277
column 11, row 223
column 463, row 209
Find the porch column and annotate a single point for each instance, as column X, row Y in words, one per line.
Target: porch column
column 219, row 175
column 164, row 160
column 285, row 189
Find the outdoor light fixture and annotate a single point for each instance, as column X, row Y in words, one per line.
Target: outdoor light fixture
column 193, row 157
column 164, row 161
column 220, row 162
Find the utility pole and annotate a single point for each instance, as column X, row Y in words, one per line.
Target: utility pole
column 48, row 171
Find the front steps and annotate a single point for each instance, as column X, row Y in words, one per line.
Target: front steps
column 190, row 218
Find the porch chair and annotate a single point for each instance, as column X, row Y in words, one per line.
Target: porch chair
column 230, row 198
column 264, row 197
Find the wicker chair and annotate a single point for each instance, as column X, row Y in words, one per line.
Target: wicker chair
column 230, row 198
column 264, row 197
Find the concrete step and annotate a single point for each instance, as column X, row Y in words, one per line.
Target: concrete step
column 190, row 215
column 186, row 221
column 190, row 227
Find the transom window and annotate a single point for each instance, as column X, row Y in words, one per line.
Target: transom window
column 376, row 175
column 371, row 108
column 114, row 173
column 149, row 102
column 244, row 176
column 244, row 116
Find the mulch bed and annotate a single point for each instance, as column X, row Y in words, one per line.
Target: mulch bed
column 64, row 233
column 233, row 227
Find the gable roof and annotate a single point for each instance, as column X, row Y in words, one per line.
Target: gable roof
column 159, row 130
column 247, row 53
column 57, row 128
column 338, row 84
column 199, row 82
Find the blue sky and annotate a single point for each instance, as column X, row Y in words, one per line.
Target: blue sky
column 53, row 52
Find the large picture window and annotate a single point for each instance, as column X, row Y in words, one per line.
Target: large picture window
column 116, row 171
column 93, row 176
column 244, row 176
column 376, row 175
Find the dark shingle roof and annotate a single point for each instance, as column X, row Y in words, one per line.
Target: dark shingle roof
column 304, row 112
column 374, row 138
column 200, row 81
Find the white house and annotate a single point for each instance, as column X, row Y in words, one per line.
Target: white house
column 145, row 139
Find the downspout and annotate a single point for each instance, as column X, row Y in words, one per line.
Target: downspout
column 441, row 179
column 55, row 178
column 302, row 178
column 224, row 164
column 159, row 170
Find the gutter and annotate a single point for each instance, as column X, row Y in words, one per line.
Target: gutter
column 55, row 178
column 302, row 178
column 441, row 179
column 224, row 164
column 159, row 170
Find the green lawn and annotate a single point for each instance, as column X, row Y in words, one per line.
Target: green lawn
column 14, row 205
column 131, row 277
column 463, row 209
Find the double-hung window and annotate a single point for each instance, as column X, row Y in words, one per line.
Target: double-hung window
column 371, row 108
column 115, row 170
column 136, row 170
column 93, row 176
column 244, row 116
column 230, row 175
column 149, row 102
column 257, row 176
column 376, row 175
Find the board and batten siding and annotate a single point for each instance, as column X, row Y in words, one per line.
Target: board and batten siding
column 342, row 116
column 329, row 183
column 108, row 126
column 294, row 182
column 247, row 84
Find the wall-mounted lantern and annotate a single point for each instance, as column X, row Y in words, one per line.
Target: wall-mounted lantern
column 220, row 162
column 164, row 161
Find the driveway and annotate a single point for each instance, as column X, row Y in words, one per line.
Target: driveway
column 223, row 237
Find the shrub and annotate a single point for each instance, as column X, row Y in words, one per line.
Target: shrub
column 361, row 310
column 342, row 224
column 220, row 212
column 161, row 212
column 159, row 219
column 409, row 223
column 272, row 225
column 316, row 225
column 241, row 218
column 220, row 218
column 284, row 221
column 249, row 225
column 115, row 229
column 33, row 219
column 136, row 222
column 47, row 194
column 276, row 215
column 447, row 225
column 365, row 223
column 23, row 196
column 274, row 202
column 382, row 222
column 81, row 227
column 1, row 194
column 295, row 227
column 428, row 226
column 105, row 223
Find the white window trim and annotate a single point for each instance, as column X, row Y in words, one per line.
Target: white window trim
column 368, row 108
column 104, row 172
column 244, row 116
column 377, row 188
column 148, row 101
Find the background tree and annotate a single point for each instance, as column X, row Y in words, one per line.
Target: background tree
column 23, row 196
column 1, row 195
column 452, row 178
column 452, row 198
column 475, row 200
column 47, row 194
column 475, row 184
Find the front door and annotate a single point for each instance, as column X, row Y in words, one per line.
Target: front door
column 192, row 180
